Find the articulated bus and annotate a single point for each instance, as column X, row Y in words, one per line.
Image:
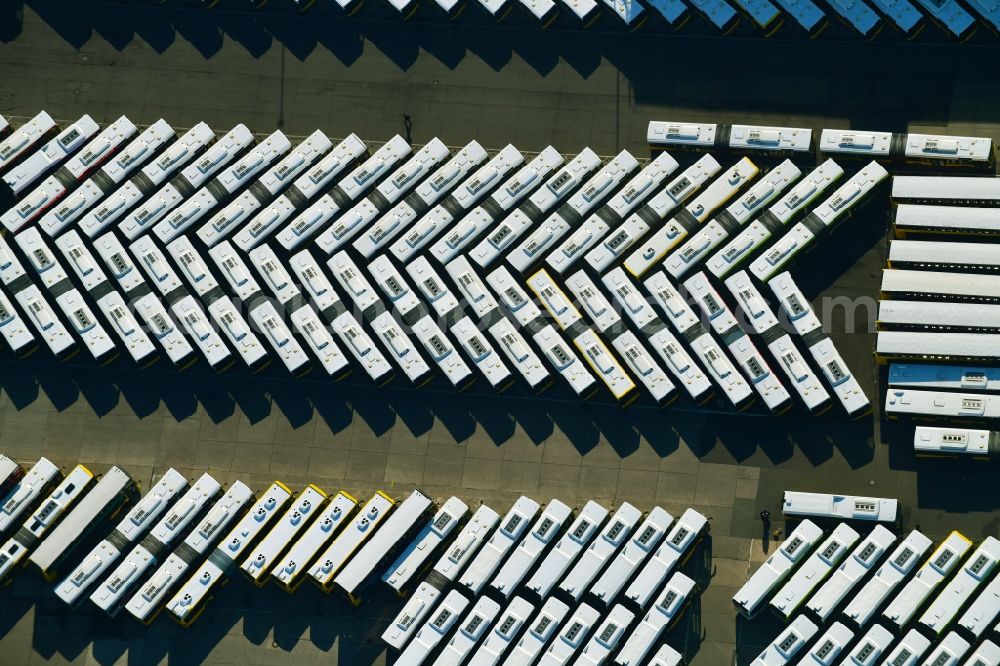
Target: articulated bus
column 106, row 180
column 947, row 256
column 982, row 612
column 512, row 343
column 731, row 220
column 677, row 547
column 465, row 546
column 821, row 221
column 76, row 484
column 606, row 637
column 572, row 213
column 940, row 405
column 411, row 615
column 431, row 633
column 403, row 300
column 652, row 214
column 27, row 171
column 787, row 601
column 955, row 442
column 296, row 519
column 189, row 146
column 946, row 377
column 751, row 361
column 471, row 630
column 909, row 650
column 571, row 637
column 489, row 213
column 415, row 557
column 556, row 189
column 145, row 604
column 789, row 643
column 17, row 143
column 480, row 183
column 543, row 627
column 751, row 598
column 621, row 204
column 344, row 155
column 861, row 562
column 289, row 571
column 898, row 283
column 73, row 588
column 774, row 141
column 686, row 220
column 493, row 553
column 738, row 251
column 389, row 219
column 351, row 538
column 823, row 506
column 922, row 587
column 910, row 149
column 110, row 596
column 222, row 188
column 574, row 542
column 958, row 191
column 262, row 192
column 670, row 606
column 977, row 570
column 539, row 540
column 113, row 490
column 762, row 321
column 27, row 489
column 950, row 220
column 232, row 145
column 508, row 627
column 98, row 151
column 606, row 545
column 190, row 600
column 619, row 572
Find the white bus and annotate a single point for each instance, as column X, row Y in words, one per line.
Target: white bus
column 572, row 213
column 524, row 359
column 401, row 348
column 924, row 584
column 438, row 184
column 645, row 538
column 46, row 322
column 25, row 172
column 948, row 151
column 275, row 331
column 908, row 650
column 106, row 180
column 350, row 539
column 344, row 155
column 531, row 548
column 729, row 221
column 187, row 147
column 870, row 647
column 835, row 371
column 607, row 637
column 506, row 630
column 556, row 189
column 395, row 287
column 399, row 527
column 939, row 316
column 465, row 546
column 687, row 220
column 987, row 654
column 154, row 263
column 622, row 203
column 190, row 600
column 761, row 319
column 936, row 347
column 848, row 575
column 540, row 631
column 677, row 547
column 829, row 646
column 951, row 220
column 789, row 643
column 434, row 290
column 484, row 216
column 666, row 655
column 411, row 615
column 416, row 556
column 884, row 146
column 234, row 270
column 959, row 590
column 931, row 285
column 940, row 405
column 512, row 526
column 431, row 633
column 27, row 492
column 813, row 571
column 471, row 629
column 863, row 606
column 942, row 255
column 577, row 538
column 110, row 596
column 603, row 549
column 947, row 190
column 571, row 637
column 762, row 13
column 76, row 484
column 443, row 353
column 297, row 518
column 17, row 143
column 751, row 361
column 262, row 192
column 952, row 17
column 652, row 214
column 840, row 507
column 232, row 180
column 949, row 651
column 670, row 606
column 982, row 612
column 472, row 288
column 199, row 329
column 233, row 144
column 739, row 138
column 479, row 350
column 289, row 572
column 15, row 332
column 274, row 274
column 479, row 184
column 145, row 604
column 952, row 441
column 688, row 324
column 750, row 598
column 132, row 527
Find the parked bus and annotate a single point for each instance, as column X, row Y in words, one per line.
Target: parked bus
column 354, row 535
column 982, row 613
column 20, row 340
column 922, row 587
column 493, row 553
column 431, row 633
column 293, row 522
column 505, row 632
column 949, row 651
column 955, row 442
column 959, row 590
column 893, row 571
column 939, row 316
column 670, row 606
column 290, row 569
column 840, row 507
column 540, row 631
column 565, row 552
column 21, row 170
column 623, row 567
column 471, row 630
column 909, row 649
column 413, row 612
column 17, row 144
column 571, row 637
column 946, row 190
column 789, row 643
column 465, row 546
column 945, row 220
column 676, row 549
column 413, row 560
column 27, row 491
column 939, row 285
column 605, row 546
column 848, row 575
column 539, row 541
column 871, row 646
column 772, row 141
column 940, row 405
column 829, row 646
column 787, row 601
column 606, row 637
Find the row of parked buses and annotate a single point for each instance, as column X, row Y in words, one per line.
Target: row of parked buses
column 907, row 19
column 554, row 571
column 876, row 599
column 434, row 263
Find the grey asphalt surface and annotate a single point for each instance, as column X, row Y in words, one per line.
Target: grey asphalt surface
column 497, row 84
